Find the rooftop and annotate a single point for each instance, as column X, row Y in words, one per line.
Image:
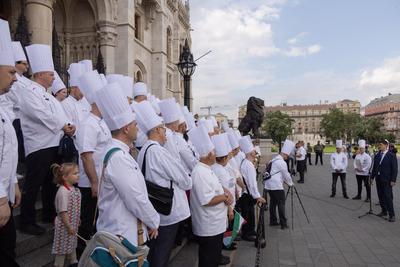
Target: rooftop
column 394, row 98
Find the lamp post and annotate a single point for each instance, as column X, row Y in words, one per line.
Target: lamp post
column 186, row 67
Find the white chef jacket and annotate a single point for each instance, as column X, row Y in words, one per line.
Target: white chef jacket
column 123, row 197
column 225, row 178
column 302, row 152
column 339, row 162
column 161, row 168
column 11, row 100
column 171, row 144
column 233, row 169
column 193, row 148
column 8, row 157
column 239, row 158
column 206, row 220
column 76, row 110
column 42, row 119
column 250, row 178
column 93, row 135
column 188, row 157
column 280, row 174
column 362, row 162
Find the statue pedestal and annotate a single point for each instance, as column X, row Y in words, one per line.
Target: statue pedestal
column 266, row 150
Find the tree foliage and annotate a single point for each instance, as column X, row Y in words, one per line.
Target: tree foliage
column 278, row 126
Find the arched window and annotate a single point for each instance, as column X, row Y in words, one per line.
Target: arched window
column 169, row 44
column 138, row 76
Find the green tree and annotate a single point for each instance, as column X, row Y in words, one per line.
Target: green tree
column 333, row 124
column 278, row 126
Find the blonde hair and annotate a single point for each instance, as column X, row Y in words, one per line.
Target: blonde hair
column 60, row 171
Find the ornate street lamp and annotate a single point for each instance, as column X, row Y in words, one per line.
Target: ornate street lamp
column 186, row 67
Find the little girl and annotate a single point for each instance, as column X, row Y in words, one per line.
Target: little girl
column 68, row 206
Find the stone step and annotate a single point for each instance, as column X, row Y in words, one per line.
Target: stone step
column 29, row 243
column 38, row 258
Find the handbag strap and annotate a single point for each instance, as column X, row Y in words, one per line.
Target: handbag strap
column 244, row 179
column 140, row 234
column 144, row 164
column 105, row 162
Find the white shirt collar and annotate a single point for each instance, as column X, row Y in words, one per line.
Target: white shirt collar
column 121, row 145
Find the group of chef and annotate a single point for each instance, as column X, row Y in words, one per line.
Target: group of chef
column 209, row 166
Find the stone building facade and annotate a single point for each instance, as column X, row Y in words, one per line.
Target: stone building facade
column 139, row 38
column 386, row 108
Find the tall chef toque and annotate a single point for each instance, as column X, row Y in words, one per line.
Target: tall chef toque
column 233, row 139
column 147, row 118
column 221, row 143
column 90, row 82
column 246, row 145
column 6, row 51
column 339, row 143
column 40, row 58
column 114, row 107
column 18, row 51
column 169, row 110
column 139, row 88
column 361, row 143
column 201, row 140
column 75, row 71
column 58, row 84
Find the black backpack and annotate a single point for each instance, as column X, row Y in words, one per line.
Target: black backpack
column 267, row 172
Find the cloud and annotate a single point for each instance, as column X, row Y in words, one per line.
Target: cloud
column 386, row 76
column 297, row 51
column 298, row 38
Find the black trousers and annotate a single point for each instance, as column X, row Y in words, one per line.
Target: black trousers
column 309, row 158
column 8, row 238
column 342, row 176
column 247, row 206
column 161, row 247
column 210, row 248
column 301, row 168
column 20, row 139
column 360, row 180
column 38, row 174
column 88, row 208
column 318, row 155
column 385, row 195
column 277, row 199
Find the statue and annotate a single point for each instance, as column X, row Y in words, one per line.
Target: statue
column 254, row 117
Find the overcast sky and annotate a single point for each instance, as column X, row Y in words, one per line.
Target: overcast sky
column 294, row 51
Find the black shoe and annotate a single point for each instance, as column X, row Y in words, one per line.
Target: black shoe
column 300, row 181
column 32, row 229
column 283, row 227
column 224, row 260
column 274, row 224
column 392, row 219
column 249, row 238
column 74, row 265
column 232, row 247
column 382, row 214
column 356, row 197
column 333, row 195
column 367, row 200
column 346, row 196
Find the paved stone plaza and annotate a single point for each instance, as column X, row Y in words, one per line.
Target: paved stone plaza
column 335, row 236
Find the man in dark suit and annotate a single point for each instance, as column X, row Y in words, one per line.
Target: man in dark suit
column 385, row 172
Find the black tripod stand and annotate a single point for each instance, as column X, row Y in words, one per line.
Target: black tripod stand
column 260, row 240
column 290, row 190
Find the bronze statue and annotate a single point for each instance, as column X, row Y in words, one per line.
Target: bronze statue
column 254, row 117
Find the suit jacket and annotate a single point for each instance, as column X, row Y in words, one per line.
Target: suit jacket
column 385, row 170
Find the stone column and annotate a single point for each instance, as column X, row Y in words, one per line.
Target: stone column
column 124, row 53
column 39, row 14
column 107, row 37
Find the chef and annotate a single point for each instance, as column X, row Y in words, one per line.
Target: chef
column 123, row 202
column 251, row 193
column 208, row 201
column 43, row 123
column 170, row 115
column 139, row 94
column 10, row 195
column 362, row 164
column 163, row 169
column 339, row 165
column 58, row 88
column 92, row 137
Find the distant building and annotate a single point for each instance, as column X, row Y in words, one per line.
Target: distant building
column 220, row 118
column 386, row 108
column 307, row 118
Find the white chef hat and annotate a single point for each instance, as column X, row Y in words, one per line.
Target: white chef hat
column 114, row 78
column 139, row 88
column 58, row 84
column 225, row 125
column 154, row 103
column 169, row 110
column 181, row 116
column 75, row 71
column 6, row 51
column 103, row 79
column 114, row 107
column 232, row 139
column 190, row 123
column 18, row 51
column 40, row 58
column 246, row 145
column 87, row 63
column 288, row 147
column 238, row 135
column 221, row 144
column 339, row 143
column 201, row 140
column 208, row 124
column 127, row 85
column 89, row 83
column 146, row 117
column 214, row 121
column 361, row 143
column 185, row 110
